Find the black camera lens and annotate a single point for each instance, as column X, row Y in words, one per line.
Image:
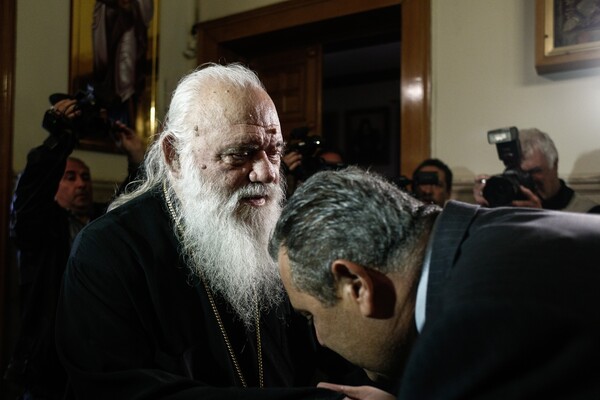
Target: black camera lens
column 501, row 190
column 426, row 178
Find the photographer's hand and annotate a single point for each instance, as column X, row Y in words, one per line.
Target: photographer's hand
column 58, row 121
column 131, row 143
column 292, row 160
column 478, row 186
column 532, row 201
column 65, row 109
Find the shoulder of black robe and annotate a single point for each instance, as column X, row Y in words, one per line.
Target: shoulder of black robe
column 132, row 323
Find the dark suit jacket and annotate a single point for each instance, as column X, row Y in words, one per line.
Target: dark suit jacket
column 513, row 307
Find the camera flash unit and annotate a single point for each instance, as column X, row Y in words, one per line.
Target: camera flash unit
column 502, row 135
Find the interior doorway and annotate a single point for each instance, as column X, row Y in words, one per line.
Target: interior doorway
column 361, row 102
column 322, row 30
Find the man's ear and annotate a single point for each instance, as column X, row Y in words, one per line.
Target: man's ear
column 170, row 154
column 372, row 291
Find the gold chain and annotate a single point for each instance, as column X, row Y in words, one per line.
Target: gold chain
column 218, row 315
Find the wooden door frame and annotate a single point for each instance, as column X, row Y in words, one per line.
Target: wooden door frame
column 415, row 62
column 7, row 73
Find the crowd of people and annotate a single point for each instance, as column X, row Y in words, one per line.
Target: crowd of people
column 432, row 180
column 198, row 278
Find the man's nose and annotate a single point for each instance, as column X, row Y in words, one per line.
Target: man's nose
column 263, row 169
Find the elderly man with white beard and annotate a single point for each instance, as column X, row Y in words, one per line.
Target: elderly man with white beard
column 172, row 294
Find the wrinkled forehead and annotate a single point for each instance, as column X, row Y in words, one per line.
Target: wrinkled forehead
column 233, row 105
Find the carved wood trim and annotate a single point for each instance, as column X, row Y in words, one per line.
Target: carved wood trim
column 7, row 73
column 285, row 15
column 415, row 93
column 415, row 84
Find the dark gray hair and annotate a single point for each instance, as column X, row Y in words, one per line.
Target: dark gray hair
column 349, row 214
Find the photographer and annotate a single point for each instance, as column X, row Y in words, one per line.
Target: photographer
column 540, row 161
column 432, row 182
column 52, row 201
column 307, row 155
column 293, row 167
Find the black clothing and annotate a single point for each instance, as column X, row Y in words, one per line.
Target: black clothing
column 134, row 323
column 42, row 233
column 563, row 198
column 512, row 307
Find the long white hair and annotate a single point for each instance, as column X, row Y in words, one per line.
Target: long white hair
column 224, row 243
column 186, row 111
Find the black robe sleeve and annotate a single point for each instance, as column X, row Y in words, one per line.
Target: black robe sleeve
column 132, row 324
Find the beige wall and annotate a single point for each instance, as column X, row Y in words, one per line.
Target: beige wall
column 483, row 78
column 43, row 63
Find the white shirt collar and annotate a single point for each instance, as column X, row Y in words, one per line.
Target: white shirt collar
column 421, row 301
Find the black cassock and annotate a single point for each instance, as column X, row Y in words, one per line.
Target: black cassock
column 133, row 323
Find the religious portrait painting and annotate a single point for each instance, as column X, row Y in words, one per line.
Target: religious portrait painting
column 113, row 63
column 567, row 35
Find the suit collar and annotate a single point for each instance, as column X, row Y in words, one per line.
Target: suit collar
column 451, row 229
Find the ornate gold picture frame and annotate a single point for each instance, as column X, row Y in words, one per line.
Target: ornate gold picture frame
column 567, row 35
column 114, row 59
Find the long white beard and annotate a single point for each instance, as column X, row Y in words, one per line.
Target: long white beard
column 226, row 242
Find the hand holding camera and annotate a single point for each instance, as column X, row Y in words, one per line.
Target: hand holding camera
column 531, row 199
column 514, row 186
column 66, row 108
column 81, row 115
column 292, row 160
column 306, row 155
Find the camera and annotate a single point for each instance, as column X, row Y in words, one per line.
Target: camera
column 419, row 178
column 91, row 122
column 310, row 147
column 502, row 189
column 425, row 178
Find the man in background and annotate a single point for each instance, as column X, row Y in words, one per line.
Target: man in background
column 432, row 182
column 460, row 303
column 52, row 202
column 540, row 161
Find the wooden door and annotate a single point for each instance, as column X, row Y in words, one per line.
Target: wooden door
column 255, row 30
column 293, row 80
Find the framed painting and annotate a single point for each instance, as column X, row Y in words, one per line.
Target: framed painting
column 368, row 136
column 567, row 35
column 113, row 65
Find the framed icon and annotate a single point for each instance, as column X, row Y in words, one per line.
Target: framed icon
column 113, row 62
